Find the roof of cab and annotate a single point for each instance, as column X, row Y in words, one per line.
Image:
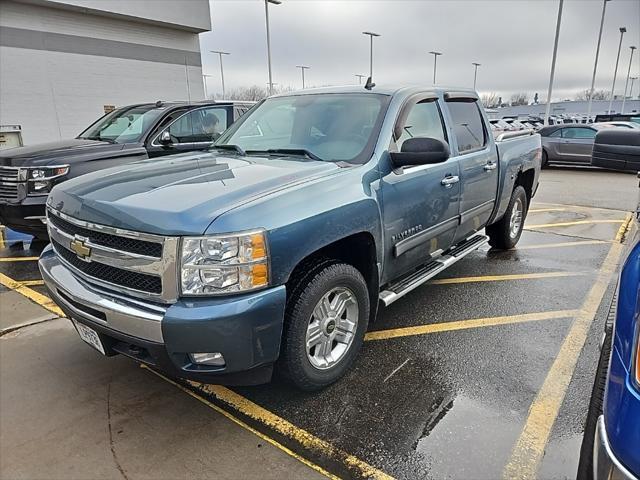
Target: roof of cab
column 389, row 89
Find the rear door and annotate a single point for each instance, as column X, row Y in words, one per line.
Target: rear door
column 577, row 144
column 477, row 160
column 420, row 210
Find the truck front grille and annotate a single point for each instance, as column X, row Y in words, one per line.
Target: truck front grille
column 8, row 183
column 113, row 275
column 140, row 247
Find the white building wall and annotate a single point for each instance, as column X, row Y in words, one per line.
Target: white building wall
column 75, row 63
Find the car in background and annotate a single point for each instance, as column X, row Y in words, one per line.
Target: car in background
column 620, row 124
column 127, row 134
column 611, row 444
column 568, row 144
column 615, row 117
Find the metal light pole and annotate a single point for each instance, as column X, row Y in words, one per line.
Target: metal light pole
column 435, row 64
column 615, row 71
column 220, row 54
column 360, row 77
column 266, row 14
column 595, row 63
column 475, row 73
column 624, row 97
column 553, row 64
column 633, row 79
column 371, row 35
column 206, row 93
column 302, row 69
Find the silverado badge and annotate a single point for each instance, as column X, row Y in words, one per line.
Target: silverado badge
column 79, row 248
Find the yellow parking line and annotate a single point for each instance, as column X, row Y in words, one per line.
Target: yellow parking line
column 3, row 243
column 280, row 425
column 31, row 283
column 18, row 259
column 500, row 278
column 466, row 324
column 568, row 224
column 563, row 244
column 529, row 449
column 624, row 228
column 31, row 294
column 539, row 210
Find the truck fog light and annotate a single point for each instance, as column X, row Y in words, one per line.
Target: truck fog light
column 214, row 359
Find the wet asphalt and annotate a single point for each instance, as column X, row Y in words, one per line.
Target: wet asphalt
column 452, row 404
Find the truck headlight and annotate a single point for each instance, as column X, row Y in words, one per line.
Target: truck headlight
column 42, row 179
column 219, row 264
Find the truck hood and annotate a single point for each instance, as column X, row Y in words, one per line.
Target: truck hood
column 180, row 194
column 65, row 152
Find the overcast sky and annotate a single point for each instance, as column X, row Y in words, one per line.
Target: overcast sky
column 512, row 39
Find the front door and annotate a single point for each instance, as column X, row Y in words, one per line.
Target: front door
column 420, row 203
column 577, row 144
column 478, row 165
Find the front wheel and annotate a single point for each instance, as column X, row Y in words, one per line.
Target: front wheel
column 505, row 233
column 325, row 322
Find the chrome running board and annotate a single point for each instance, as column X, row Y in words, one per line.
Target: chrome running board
column 429, row 270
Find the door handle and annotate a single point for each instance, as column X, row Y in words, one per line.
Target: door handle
column 490, row 166
column 449, row 181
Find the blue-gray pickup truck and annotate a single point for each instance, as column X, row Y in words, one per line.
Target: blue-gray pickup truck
column 276, row 247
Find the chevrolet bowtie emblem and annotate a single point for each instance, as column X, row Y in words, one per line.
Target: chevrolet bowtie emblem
column 79, row 248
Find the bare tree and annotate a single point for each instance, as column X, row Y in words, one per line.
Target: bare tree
column 583, row 95
column 253, row 93
column 490, row 100
column 521, row 98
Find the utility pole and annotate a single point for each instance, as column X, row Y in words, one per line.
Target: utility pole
column 553, row 64
column 624, row 97
column 435, row 64
column 475, row 73
column 266, row 14
column 615, row 71
column 220, row 54
column 371, row 35
column 595, row 64
column 302, row 69
column 206, row 93
column 360, row 77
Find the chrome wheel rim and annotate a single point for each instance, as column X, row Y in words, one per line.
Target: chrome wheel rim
column 515, row 223
column 332, row 328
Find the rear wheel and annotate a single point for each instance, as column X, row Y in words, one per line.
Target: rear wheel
column 325, row 322
column 506, row 232
column 545, row 159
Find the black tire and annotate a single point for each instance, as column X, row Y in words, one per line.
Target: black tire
column 306, row 292
column 585, row 465
column 545, row 159
column 500, row 232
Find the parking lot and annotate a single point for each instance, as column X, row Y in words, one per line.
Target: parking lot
column 485, row 372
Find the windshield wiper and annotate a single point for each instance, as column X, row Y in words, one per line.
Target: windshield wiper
column 100, row 139
column 290, row 151
column 235, row 148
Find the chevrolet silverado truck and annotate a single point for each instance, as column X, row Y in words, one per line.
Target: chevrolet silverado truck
column 276, row 247
column 124, row 135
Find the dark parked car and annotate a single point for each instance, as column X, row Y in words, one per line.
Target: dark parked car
column 611, row 445
column 130, row 133
column 568, row 144
column 617, row 148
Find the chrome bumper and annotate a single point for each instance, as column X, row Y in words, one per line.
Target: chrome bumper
column 125, row 315
column 605, row 464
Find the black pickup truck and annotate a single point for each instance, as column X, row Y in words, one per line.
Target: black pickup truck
column 126, row 134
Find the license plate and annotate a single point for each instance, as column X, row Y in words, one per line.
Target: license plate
column 90, row 336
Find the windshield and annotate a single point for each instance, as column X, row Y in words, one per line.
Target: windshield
column 125, row 125
column 329, row 127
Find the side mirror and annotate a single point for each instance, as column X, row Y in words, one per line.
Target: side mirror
column 165, row 138
column 421, row 151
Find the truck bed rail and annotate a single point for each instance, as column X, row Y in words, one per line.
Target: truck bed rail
column 509, row 135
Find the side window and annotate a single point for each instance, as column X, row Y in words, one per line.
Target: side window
column 468, row 126
column 424, row 120
column 200, row 125
column 556, row 133
column 581, row 133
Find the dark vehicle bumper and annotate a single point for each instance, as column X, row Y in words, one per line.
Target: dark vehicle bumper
column 606, row 466
column 26, row 216
column 245, row 329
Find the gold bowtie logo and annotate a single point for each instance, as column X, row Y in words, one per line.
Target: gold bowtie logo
column 79, row 248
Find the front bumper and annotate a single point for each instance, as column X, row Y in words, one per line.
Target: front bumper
column 605, row 464
column 26, row 216
column 246, row 329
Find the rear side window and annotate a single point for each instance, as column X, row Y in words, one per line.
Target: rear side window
column 468, row 126
column 424, row 120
